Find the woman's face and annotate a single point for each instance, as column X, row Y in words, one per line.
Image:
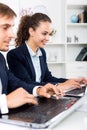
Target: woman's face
column 41, row 35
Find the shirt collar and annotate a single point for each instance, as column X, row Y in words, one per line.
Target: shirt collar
column 32, row 53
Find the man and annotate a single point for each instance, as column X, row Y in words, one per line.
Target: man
column 20, row 95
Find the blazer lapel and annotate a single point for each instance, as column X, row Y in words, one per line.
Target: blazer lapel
column 3, row 75
column 29, row 61
column 42, row 67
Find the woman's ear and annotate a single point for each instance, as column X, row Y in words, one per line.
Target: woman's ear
column 31, row 31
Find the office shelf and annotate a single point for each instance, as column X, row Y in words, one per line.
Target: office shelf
column 61, row 55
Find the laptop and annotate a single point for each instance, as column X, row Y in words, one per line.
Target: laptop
column 78, row 92
column 42, row 116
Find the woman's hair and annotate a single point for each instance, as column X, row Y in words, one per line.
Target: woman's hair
column 6, row 11
column 27, row 22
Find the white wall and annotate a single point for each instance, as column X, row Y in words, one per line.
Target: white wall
column 54, row 8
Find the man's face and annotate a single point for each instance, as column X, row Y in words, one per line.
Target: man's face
column 6, row 32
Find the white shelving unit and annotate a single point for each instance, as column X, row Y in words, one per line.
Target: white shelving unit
column 61, row 56
column 56, row 58
column 76, row 39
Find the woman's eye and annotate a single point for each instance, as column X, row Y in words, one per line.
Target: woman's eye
column 44, row 34
column 5, row 28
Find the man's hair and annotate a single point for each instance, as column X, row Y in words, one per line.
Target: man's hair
column 5, row 10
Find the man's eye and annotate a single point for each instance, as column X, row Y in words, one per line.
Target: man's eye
column 5, row 28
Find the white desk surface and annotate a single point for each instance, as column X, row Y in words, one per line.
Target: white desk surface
column 76, row 121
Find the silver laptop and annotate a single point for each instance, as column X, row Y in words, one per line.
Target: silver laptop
column 48, row 112
column 78, row 92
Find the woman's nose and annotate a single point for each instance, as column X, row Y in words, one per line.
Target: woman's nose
column 47, row 37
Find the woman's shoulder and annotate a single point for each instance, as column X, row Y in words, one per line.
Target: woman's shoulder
column 42, row 50
column 12, row 51
column 15, row 50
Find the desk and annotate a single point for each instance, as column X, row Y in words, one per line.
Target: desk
column 76, row 121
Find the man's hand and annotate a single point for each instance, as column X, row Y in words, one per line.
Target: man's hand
column 20, row 97
column 49, row 90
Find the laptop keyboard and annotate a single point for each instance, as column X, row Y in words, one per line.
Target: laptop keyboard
column 46, row 110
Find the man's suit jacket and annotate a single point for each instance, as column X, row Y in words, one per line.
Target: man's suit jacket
column 9, row 81
column 21, row 65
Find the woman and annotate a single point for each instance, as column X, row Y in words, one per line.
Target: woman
column 28, row 60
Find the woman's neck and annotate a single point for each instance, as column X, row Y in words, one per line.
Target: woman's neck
column 32, row 46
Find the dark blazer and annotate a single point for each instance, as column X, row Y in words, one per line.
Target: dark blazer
column 21, row 65
column 9, row 81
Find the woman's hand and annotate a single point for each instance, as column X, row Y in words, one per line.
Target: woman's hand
column 72, row 83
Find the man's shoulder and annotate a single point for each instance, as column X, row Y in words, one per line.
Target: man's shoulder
column 1, row 56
